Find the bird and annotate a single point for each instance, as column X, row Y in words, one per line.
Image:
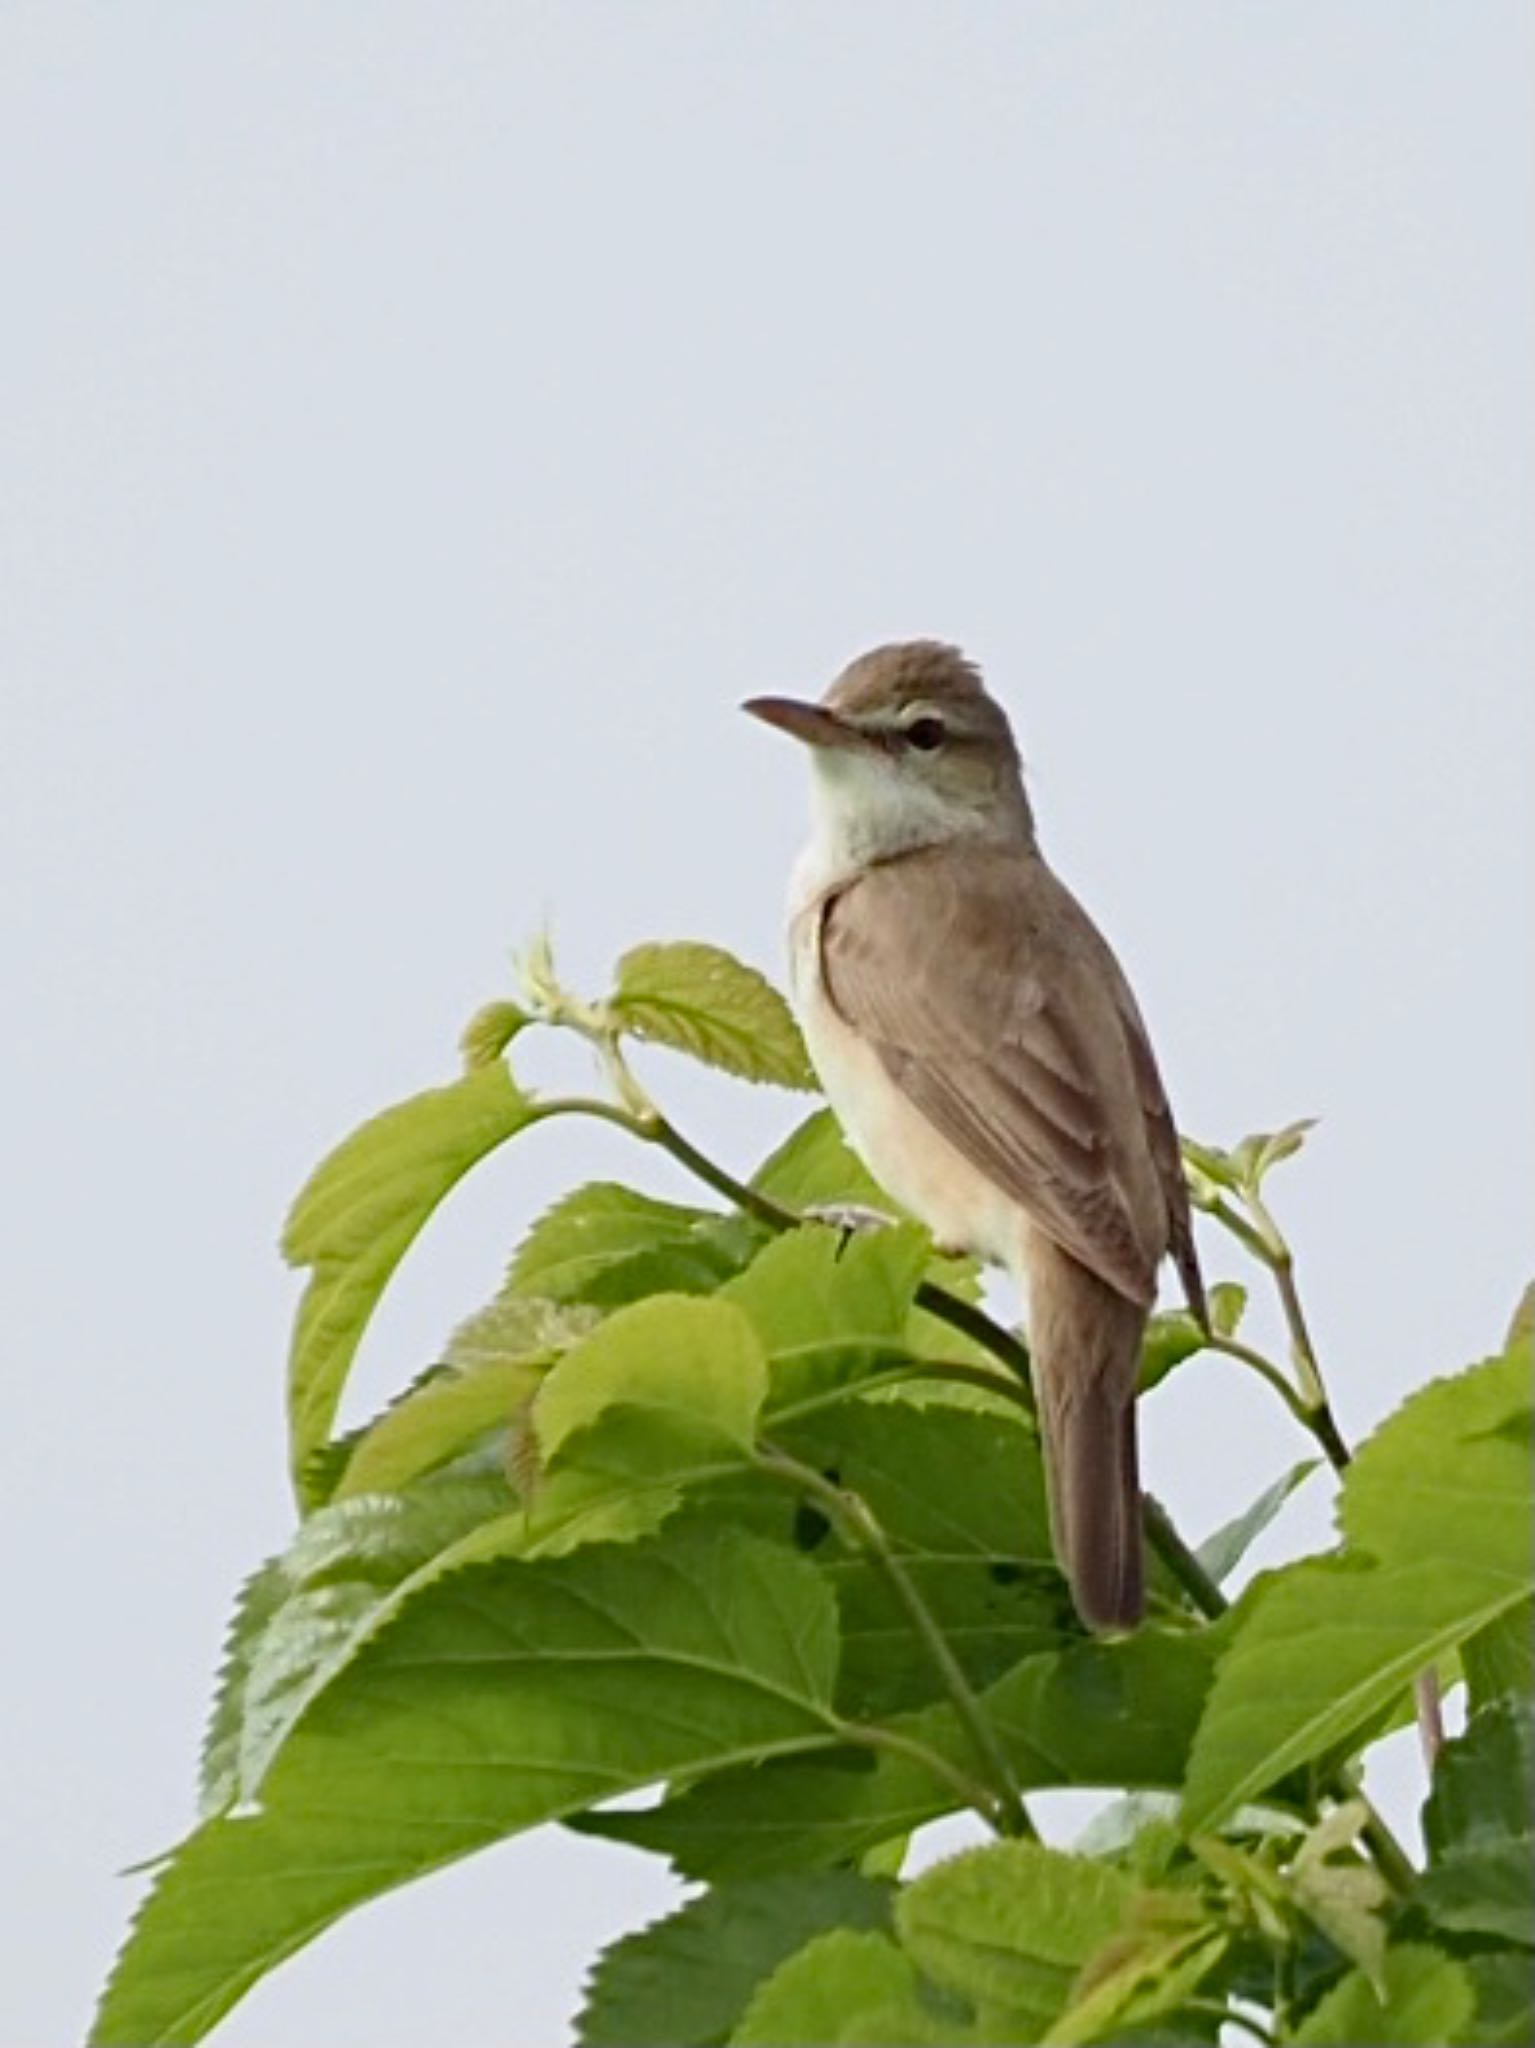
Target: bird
column 980, row 1045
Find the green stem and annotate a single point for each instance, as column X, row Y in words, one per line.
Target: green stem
column 1239, row 1227
column 1281, row 1261
column 974, row 1323
column 1266, row 1369
column 737, row 1192
column 1324, row 1428
column 1206, row 1595
column 1308, row 1403
column 852, row 1515
column 550, row 1106
column 1390, row 1858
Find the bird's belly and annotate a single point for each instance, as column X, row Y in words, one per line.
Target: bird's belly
column 926, row 1174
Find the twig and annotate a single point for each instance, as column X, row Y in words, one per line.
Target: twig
column 1429, row 1702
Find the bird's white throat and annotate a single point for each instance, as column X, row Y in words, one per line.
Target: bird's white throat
column 865, row 807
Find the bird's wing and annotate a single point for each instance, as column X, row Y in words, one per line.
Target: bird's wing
column 1166, row 1153
column 993, row 1004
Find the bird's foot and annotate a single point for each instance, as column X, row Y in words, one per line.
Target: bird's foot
column 853, row 1219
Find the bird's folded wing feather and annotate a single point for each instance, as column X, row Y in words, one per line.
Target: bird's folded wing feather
column 994, row 1006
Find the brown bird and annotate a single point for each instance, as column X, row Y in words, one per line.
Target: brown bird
column 980, row 1045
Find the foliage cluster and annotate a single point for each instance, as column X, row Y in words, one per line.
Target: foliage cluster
column 741, row 1506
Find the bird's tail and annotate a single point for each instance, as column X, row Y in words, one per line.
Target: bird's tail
column 1086, row 1341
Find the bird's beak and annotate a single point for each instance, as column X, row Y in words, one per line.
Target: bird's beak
column 812, row 723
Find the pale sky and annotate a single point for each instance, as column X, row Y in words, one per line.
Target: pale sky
column 421, row 426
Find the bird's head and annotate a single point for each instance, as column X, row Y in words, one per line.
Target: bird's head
column 909, row 751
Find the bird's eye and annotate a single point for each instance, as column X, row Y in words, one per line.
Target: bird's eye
column 925, row 734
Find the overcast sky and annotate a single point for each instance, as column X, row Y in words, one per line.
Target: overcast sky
column 421, row 426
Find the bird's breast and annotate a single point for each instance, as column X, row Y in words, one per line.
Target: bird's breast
column 926, row 1174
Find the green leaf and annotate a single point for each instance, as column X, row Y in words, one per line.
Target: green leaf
column 1341, row 1893
column 1174, row 1334
column 1115, row 1828
column 1099, row 1713
column 1254, row 1155
column 991, row 1617
column 493, row 1364
column 357, row 1216
column 657, row 1381
column 608, row 1245
column 512, row 1327
column 829, row 1309
column 1521, row 1324
column 1427, row 2002
column 685, row 1981
column 1499, row 1660
column 345, row 1563
column 786, row 1816
column 1009, row 1927
column 1483, row 1422
column 1479, row 1831
column 1435, row 1509
column 437, row 1424
column 1208, row 1169
column 489, row 1032
column 1221, row 1553
column 1505, row 1999
column 942, row 1481
column 501, row 1696
column 661, row 1398
column 1107, row 1712
column 818, row 1282
column 816, row 1168
column 1139, row 1830
column 703, row 1001
column 258, row 1601
column 1142, row 1974
column 842, row 1988
column 960, row 1494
